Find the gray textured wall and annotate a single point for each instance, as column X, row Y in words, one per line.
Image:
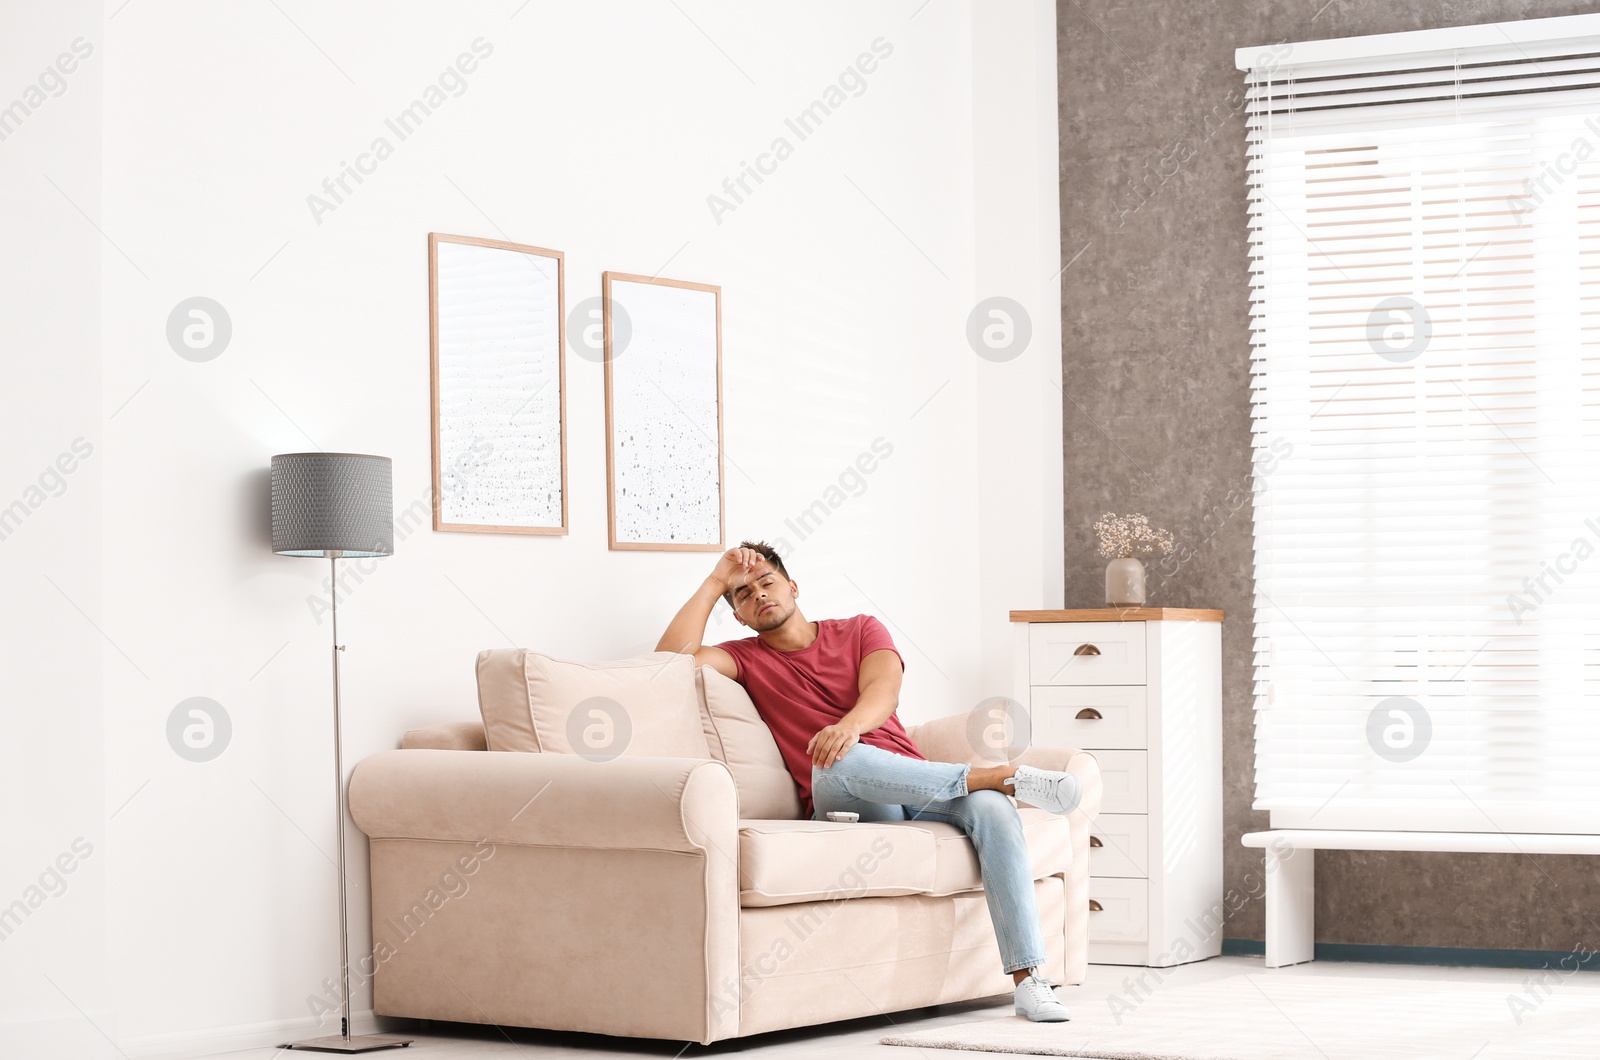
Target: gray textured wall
column 1156, row 418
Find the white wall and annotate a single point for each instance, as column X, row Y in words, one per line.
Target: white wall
column 53, row 786
column 599, row 130
column 1017, row 405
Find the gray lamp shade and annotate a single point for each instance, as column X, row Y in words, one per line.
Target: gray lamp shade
column 332, row 502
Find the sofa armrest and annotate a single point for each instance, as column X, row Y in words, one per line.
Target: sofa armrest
column 554, row 800
column 507, row 886
column 448, row 736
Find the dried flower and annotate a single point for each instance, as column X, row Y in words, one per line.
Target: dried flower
column 1126, row 536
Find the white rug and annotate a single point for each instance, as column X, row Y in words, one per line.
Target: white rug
column 1281, row 1015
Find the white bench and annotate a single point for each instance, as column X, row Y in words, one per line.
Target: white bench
column 1290, row 861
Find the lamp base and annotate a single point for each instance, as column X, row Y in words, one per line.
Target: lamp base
column 361, row 1043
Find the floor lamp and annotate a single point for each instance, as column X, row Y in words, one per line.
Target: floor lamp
column 335, row 506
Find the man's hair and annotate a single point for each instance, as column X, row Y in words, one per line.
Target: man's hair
column 768, row 553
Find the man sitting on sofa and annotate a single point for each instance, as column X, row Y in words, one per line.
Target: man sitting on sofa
column 828, row 691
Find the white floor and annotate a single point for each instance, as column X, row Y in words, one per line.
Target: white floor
column 858, row 1038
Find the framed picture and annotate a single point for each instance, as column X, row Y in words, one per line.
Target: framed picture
column 499, row 386
column 663, row 368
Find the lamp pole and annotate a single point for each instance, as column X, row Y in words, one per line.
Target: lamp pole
column 338, row 781
column 335, row 506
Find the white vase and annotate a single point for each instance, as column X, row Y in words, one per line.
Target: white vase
column 1125, row 583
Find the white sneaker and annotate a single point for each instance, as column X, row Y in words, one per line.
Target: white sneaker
column 1036, row 1000
column 1047, row 789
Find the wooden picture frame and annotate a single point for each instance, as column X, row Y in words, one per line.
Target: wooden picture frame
column 533, row 313
column 656, row 325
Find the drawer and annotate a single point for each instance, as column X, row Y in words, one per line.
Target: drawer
column 1119, row 910
column 1086, row 653
column 1089, row 716
column 1124, row 845
column 1126, row 784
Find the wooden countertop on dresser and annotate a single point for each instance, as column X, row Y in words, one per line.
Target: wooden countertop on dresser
column 1120, row 614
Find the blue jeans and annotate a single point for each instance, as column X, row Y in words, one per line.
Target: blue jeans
column 883, row 786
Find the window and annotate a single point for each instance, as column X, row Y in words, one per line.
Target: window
column 1425, row 250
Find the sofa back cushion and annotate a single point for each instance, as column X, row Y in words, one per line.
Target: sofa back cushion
column 647, row 705
column 736, row 735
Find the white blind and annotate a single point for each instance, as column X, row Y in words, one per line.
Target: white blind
column 1425, row 255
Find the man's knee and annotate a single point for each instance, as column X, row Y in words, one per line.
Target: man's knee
column 993, row 808
column 833, row 777
column 851, row 761
column 991, row 802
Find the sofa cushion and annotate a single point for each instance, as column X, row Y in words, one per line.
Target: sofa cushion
column 785, row 862
column 736, row 735
column 1049, row 839
column 647, row 705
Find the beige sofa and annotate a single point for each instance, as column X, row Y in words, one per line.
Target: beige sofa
column 664, row 888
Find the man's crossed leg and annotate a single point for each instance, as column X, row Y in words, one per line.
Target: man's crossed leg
column 883, row 786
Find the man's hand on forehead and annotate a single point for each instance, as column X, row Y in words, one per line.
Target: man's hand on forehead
column 739, row 566
column 750, row 572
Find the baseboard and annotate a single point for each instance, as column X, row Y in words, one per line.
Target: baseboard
column 212, row 1040
column 1447, row 956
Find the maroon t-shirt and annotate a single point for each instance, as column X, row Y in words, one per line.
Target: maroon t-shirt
column 799, row 693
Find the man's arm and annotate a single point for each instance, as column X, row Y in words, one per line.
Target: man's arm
column 879, row 687
column 688, row 626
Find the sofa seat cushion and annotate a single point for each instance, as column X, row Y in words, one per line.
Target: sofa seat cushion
column 787, row 862
column 783, row 862
column 955, row 867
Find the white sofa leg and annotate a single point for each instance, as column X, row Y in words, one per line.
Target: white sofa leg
column 1291, row 906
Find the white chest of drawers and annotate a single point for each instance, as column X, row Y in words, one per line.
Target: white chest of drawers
column 1142, row 689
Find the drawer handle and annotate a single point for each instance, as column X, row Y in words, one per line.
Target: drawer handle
column 1094, row 841
column 1096, row 907
column 1086, row 649
column 1089, row 714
